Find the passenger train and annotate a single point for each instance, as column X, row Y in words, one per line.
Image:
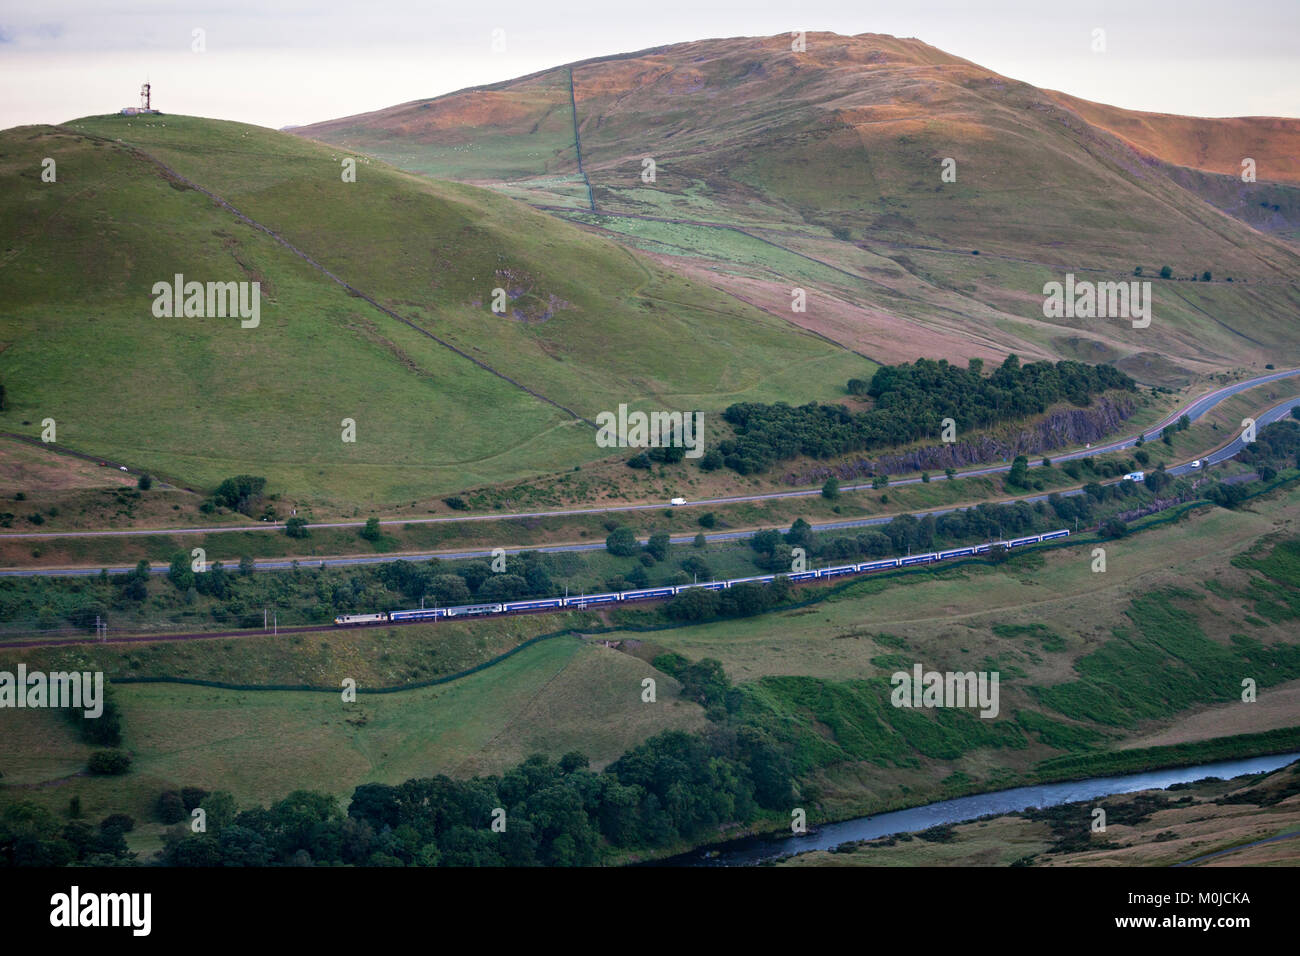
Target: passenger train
column 646, row 594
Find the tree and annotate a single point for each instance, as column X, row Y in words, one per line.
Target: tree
column 622, row 542
column 831, row 489
column 700, row 540
column 109, row 762
column 371, row 531
column 247, row 566
column 1205, row 276
column 136, row 587
column 240, row 493
column 1019, row 474
column 450, row 590
column 503, row 587
column 709, row 519
column 1166, row 272
column 181, row 574
column 144, row 482
column 170, row 808
column 1137, row 271
column 296, row 528
column 658, row 545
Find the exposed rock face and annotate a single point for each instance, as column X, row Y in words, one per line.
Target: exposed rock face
column 1059, row 429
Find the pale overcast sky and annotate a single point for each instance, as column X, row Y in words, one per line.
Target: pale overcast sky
column 278, row 63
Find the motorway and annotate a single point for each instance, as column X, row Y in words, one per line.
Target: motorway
column 1193, row 410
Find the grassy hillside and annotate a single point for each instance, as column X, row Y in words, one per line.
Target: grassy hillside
column 836, row 154
column 195, row 400
column 1181, row 613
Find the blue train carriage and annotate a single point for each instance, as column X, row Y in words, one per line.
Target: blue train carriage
column 645, row 594
column 419, row 614
column 878, row 565
column 533, row 605
column 1051, row 535
column 956, row 553
column 583, row 600
column 838, row 571
column 918, row 559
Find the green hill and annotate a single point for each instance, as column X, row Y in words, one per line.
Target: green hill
column 831, row 160
column 445, row 394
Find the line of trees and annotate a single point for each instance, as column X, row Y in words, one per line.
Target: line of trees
column 910, row 402
column 674, row 787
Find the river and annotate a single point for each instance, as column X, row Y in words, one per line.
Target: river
column 753, row 850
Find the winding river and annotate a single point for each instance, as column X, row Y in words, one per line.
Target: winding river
column 753, row 850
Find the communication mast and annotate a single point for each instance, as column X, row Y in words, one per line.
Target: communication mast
column 146, row 103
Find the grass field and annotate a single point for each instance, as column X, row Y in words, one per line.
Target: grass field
column 196, row 400
column 814, row 675
column 557, row 696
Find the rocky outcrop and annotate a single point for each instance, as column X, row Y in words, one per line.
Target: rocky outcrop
column 1062, row 428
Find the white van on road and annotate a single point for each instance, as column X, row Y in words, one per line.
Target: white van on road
column 1135, row 476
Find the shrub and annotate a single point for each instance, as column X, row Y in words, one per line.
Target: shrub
column 170, row 807
column 239, row 493
column 296, row 528
column 1114, row 528
column 658, row 544
column 109, row 763
column 622, row 543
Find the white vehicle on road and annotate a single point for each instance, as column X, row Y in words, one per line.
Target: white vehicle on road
column 677, row 501
column 1197, row 463
column 1135, row 476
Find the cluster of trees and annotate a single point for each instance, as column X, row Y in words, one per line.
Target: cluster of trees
column 907, row 534
column 1276, row 446
column 1167, row 272
column 674, row 787
column 241, row 493
column 622, row 542
column 310, row 594
column 910, row 402
column 31, row 835
column 739, row 600
column 521, row 576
